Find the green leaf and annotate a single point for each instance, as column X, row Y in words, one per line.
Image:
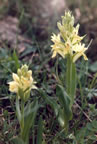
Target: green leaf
column 55, row 106
column 29, row 114
column 93, row 67
column 3, row 53
column 60, row 117
column 18, row 112
column 30, row 108
column 28, row 50
column 51, row 101
column 71, row 79
column 92, row 126
column 15, row 58
column 65, row 103
column 80, row 135
column 87, row 133
column 43, row 142
column 17, row 140
column 39, row 131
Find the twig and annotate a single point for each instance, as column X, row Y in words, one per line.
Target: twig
column 83, row 112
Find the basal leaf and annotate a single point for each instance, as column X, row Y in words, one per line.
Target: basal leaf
column 65, row 103
column 29, row 119
column 17, row 140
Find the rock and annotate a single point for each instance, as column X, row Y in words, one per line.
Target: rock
column 44, row 13
column 45, row 9
column 10, row 34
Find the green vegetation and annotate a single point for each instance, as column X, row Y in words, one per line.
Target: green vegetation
column 49, row 106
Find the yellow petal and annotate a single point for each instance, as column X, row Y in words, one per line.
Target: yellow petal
column 85, row 57
column 56, row 38
column 54, row 54
column 29, row 73
column 33, row 87
column 13, row 86
column 76, row 57
column 15, row 77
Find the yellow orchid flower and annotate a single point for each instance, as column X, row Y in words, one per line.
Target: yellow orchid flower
column 68, row 41
column 22, row 81
column 79, row 50
column 58, row 47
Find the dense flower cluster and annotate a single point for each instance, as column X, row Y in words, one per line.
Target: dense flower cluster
column 22, row 82
column 68, row 41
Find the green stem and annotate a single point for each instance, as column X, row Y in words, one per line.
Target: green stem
column 25, row 139
column 20, row 116
column 22, row 119
column 71, row 78
column 68, row 74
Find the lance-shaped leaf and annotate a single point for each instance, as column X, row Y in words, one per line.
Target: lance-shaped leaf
column 15, row 58
column 65, row 103
column 55, row 106
column 17, row 140
column 29, row 114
